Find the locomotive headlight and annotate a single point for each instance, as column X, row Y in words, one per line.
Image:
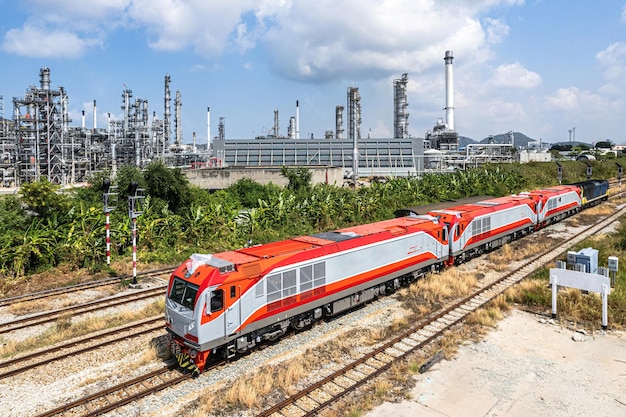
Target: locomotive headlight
column 193, row 353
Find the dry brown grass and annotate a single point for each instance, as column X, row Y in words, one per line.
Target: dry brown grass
column 382, row 388
column 65, row 329
column 433, row 289
column 141, row 358
column 242, row 394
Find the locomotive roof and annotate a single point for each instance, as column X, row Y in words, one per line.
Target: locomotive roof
column 439, row 206
column 316, row 241
column 480, row 207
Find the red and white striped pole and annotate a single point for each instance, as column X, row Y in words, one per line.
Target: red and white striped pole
column 134, row 250
column 108, row 237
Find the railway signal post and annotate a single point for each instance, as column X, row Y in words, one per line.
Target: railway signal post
column 109, row 199
column 135, row 199
column 620, row 171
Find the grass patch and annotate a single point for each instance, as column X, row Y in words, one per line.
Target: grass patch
column 64, row 329
column 39, row 305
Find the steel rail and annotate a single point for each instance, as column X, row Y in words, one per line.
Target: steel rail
column 53, row 315
column 33, row 359
column 79, row 287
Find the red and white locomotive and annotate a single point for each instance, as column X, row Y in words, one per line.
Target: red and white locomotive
column 226, row 303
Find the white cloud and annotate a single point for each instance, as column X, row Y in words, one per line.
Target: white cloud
column 496, row 30
column 207, row 27
column 515, row 76
column 613, row 60
column 304, row 39
column 563, row 99
column 623, row 17
column 36, row 42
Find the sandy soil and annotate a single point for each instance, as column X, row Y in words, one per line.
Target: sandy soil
column 526, row 367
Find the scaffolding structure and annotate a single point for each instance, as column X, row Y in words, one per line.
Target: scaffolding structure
column 39, row 143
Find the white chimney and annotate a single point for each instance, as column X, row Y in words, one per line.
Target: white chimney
column 449, row 91
column 208, row 128
column 297, row 120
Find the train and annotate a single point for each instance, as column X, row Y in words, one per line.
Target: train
column 224, row 304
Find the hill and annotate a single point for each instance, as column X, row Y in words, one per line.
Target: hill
column 519, row 139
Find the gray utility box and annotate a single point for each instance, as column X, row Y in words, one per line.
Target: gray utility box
column 587, row 258
column 613, row 263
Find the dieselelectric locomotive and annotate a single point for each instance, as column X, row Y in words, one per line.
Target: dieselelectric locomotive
column 226, row 303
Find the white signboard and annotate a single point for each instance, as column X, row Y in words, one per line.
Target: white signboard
column 583, row 281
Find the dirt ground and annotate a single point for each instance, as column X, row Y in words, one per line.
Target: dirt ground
column 528, row 366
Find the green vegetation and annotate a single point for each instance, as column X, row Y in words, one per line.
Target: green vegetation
column 45, row 227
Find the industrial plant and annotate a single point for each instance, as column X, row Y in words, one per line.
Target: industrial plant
column 39, row 142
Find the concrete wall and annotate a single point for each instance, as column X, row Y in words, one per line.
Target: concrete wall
column 525, row 157
column 219, row 178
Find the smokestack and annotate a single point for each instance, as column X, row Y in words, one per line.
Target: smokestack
column 208, row 128
column 449, row 90
column 95, row 124
column 297, row 120
column 83, row 120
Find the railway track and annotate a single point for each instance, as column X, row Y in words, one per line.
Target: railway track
column 78, row 346
column 84, row 286
column 319, row 395
column 314, row 398
column 121, row 394
column 53, row 315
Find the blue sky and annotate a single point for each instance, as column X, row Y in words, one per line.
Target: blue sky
column 539, row 67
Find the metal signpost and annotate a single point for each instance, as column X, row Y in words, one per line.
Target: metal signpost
column 135, row 197
column 584, row 277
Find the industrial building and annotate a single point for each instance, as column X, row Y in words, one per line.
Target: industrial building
column 39, row 142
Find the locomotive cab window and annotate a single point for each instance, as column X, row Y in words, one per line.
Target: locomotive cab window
column 184, row 293
column 217, row 300
column 233, row 291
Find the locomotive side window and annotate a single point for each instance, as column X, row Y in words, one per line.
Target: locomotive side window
column 259, row 289
column 319, row 274
column 183, row 293
column 273, row 288
column 217, row 300
column 306, row 278
column 289, row 283
column 233, row 291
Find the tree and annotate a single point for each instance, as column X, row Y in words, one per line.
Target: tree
column 299, row 179
column 168, row 184
column 43, row 199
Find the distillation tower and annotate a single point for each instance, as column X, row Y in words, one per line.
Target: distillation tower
column 400, row 105
column 354, row 113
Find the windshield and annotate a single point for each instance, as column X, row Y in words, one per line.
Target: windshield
column 183, row 293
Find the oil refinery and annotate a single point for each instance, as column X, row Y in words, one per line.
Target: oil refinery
column 40, row 142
